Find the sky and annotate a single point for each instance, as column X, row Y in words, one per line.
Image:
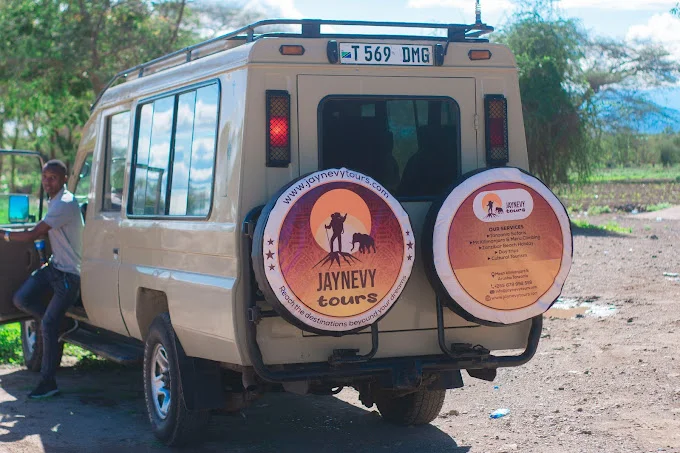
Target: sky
column 622, row 19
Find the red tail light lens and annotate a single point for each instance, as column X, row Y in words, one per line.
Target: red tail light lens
column 278, row 132
column 496, row 123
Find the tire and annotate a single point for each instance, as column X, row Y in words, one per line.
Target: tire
column 172, row 423
column 32, row 345
column 418, row 408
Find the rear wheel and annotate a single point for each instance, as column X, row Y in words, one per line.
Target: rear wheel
column 171, row 421
column 32, row 345
column 418, row 408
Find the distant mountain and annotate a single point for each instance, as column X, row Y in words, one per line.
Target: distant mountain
column 670, row 100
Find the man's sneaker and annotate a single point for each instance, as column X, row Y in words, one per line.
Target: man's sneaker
column 69, row 329
column 45, row 389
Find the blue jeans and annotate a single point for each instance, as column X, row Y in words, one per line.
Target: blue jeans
column 30, row 298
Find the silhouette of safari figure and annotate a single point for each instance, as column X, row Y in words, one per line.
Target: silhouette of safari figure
column 365, row 242
column 337, row 223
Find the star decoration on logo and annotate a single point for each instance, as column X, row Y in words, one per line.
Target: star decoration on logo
column 410, row 244
column 270, row 254
column 271, row 267
column 409, row 257
column 408, row 233
column 270, row 242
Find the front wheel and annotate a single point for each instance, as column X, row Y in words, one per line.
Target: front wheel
column 417, row 408
column 32, row 345
column 171, row 421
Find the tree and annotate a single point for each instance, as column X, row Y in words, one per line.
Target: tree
column 558, row 122
column 58, row 54
column 575, row 87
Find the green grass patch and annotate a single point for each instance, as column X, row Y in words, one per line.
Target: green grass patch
column 658, row 207
column 10, row 344
column 12, row 353
column 597, row 210
column 658, row 173
column 609, row 226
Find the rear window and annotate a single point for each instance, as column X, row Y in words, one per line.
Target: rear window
column 409, row 145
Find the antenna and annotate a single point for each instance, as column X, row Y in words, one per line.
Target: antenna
column 478, row 13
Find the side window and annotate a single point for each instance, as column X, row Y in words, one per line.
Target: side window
column 118, row 128
column 84, row 180
column 175, row 154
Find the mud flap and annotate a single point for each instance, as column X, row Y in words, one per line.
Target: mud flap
column 201, row 382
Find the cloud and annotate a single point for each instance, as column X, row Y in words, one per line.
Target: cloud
column 285, row 8
column 660, row 28
column 499, row 5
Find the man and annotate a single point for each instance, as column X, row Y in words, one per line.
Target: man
column 338, row 224
column 63, row 223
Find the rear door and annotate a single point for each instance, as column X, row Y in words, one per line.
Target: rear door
column 414, row 135
column 21, row 207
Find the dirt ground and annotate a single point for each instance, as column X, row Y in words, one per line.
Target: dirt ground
column 606, row 378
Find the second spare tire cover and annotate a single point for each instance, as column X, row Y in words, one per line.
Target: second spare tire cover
column 499, row 245
column 332, row 251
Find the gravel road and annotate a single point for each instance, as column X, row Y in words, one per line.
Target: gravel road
column 606, row 378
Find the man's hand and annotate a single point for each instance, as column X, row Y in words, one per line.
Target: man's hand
column 34, row 233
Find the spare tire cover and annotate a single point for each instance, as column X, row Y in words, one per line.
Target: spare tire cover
column 501, row 246
column 333, row 251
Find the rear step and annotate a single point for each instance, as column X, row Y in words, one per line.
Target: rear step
column 114, row 347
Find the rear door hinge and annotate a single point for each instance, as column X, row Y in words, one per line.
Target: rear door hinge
column 476, row 121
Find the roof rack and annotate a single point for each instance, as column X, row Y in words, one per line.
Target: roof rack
column 311, row 28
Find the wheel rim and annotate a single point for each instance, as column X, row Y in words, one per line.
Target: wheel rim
column 160, row 381
column 30, row 337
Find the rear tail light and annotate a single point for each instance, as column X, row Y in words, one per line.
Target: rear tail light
column 278, row 128
column 496, row 123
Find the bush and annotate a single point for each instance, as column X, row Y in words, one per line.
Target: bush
column 10, row 344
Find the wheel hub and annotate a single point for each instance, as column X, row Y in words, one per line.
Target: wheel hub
column 160, row 381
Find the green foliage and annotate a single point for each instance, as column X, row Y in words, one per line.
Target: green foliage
column 611, row 226
column 636, row 173
column 557, row 121
column 578, row 88
column 658, row 207
column 597, row 210
column 10, row 344
column 57, row 55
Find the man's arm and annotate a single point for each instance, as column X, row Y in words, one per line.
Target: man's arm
column 34, row 233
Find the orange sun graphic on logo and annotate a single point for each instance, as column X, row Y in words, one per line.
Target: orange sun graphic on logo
column 491, row 202
column 344, row 202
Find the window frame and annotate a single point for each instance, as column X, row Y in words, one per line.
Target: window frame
column 107, row 157
column 135, row 144
column 78, row 172
column 387, row 97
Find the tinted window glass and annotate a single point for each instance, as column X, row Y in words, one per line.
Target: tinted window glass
column 176, row 154
column 410, row 146
column 116, row 149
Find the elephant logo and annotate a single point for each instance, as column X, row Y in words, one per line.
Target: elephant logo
column 365, row 243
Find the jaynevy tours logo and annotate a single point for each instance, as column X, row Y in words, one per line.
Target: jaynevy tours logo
column 503, row 205
column 338, row 250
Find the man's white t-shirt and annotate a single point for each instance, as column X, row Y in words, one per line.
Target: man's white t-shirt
column 66, row 222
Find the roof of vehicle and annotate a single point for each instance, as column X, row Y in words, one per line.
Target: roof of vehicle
column 309, row 28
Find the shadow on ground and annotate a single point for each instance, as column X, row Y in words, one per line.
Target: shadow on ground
column 103, row 410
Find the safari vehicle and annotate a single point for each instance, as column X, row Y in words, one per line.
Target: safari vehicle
column 332, row 157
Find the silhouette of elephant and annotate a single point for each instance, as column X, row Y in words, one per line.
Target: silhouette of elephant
column 365, row 242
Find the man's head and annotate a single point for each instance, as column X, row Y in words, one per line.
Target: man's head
column 53, row 177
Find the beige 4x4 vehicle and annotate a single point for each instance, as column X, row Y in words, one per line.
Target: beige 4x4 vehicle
column 308, row 211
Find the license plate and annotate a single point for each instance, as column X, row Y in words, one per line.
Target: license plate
column 386, row 54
